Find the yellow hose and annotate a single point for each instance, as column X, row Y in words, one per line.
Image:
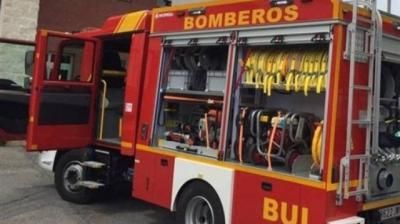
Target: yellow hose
column 265, row 84
column 297, row 82
column 289, row 80
column 294, row 69
column 257, row 78
column 249, row 69
column 281, row 70
column 316, row 144
column 307, row 84
column 319, row 147
column 251, row 65
column 261, row 68
column 270, row 81
column 276, row 67
column 320, row 83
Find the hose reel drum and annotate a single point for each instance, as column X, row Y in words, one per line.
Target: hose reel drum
column 291, row 142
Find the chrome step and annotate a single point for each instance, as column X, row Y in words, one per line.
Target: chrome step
column 93, row 164
column 90, row 184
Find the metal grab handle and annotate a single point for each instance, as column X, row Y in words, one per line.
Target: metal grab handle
column 102, row 111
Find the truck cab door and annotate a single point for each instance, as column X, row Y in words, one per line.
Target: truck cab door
column 62, row 106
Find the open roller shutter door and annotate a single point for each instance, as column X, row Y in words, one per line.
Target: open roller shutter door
column 291, row 34
column 198, row 39
column 391, row 49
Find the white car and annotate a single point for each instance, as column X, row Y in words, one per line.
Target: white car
column 46, row 159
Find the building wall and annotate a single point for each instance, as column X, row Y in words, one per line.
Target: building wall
column 18, row 19
column 73, row 15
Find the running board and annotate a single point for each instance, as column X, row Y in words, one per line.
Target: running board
column 93, row 164
column 90, row 184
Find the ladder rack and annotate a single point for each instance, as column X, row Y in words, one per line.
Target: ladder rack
column 370, row 119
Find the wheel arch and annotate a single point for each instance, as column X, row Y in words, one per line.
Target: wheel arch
column 60, row 153
column 219, row 178
column 186, row 186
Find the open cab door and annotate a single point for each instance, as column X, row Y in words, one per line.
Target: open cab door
column 62, row 106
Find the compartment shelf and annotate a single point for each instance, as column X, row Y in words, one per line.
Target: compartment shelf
column 194, row 93
column 192, row 99
column 193, row 149
column 281, row 87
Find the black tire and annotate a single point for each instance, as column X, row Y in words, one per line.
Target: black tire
column 195, row 195
column 69, row 162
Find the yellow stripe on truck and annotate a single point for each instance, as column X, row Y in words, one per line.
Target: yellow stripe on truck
column 237, row 167
column 130, row 22
column 381, row 203
column 126, row 144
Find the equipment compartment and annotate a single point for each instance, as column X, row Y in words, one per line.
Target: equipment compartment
column 192, row 127
column 201, row 69
column 279, row 107
column 191, row 99
column 384, row 176
column 287, row 68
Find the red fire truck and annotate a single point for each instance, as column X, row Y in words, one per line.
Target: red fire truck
column 247, row 111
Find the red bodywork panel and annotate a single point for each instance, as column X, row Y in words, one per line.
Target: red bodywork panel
column 133, row 92
column 112, row 25
column 153, row 178
column 238, row 15
column 254, row 194
column 337, row 106
column 149, row 88
column 259, row 199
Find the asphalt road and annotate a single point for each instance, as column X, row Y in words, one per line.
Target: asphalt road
column 27, row 195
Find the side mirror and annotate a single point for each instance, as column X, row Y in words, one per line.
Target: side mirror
column 29, row 60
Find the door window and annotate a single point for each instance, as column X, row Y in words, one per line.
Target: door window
column 68, row 60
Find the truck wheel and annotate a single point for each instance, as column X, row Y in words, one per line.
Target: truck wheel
column 68, row 173
column 199, row 204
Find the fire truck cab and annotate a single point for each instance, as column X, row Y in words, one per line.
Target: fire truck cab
column 247, row 111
